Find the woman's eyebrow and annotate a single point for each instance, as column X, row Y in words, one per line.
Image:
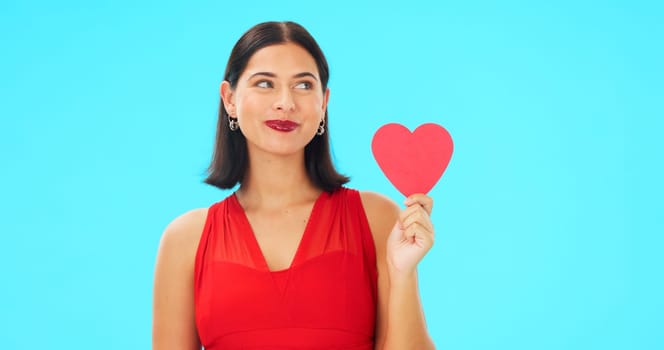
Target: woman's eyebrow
column 272, row 75
column 267, row 74
column 305, row 74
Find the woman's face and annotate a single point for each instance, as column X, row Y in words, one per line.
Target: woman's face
column 278, row 100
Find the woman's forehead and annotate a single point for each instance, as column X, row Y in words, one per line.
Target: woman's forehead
column 282, row 59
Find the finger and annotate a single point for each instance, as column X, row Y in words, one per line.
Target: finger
column 421, row 199
column 408, row 212
column 419, row 235
column 419, row 216
column 419, row 229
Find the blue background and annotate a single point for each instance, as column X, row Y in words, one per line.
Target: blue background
column 549, row 217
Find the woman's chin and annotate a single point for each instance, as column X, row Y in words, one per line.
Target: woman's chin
column 281, row 149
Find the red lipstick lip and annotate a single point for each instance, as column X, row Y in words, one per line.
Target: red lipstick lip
column 282, row 125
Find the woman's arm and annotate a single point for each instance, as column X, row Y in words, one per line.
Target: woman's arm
column 400, row 322
column 173, row 323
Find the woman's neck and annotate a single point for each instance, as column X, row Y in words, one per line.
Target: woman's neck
column 273, row 182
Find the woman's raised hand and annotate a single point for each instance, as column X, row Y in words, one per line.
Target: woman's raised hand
column 412, row 236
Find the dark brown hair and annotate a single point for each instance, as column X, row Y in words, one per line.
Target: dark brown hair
column 230, row 159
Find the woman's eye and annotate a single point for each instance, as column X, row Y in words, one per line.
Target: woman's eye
column 304, row 85
column 264, row 84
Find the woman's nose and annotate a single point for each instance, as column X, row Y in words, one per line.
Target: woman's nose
column 284, row 101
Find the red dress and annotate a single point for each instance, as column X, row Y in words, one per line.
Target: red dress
column 326, row 299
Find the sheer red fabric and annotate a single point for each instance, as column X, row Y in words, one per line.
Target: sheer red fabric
column 326, row 299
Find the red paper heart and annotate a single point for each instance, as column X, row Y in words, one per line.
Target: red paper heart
column 413, row 162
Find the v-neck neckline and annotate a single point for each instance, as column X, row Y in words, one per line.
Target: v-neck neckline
column 253, row 241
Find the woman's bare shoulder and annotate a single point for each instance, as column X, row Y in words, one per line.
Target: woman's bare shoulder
column 382, row 212
column 376, row 203
column 183, row 233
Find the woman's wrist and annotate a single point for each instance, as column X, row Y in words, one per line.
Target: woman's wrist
column 399, row 277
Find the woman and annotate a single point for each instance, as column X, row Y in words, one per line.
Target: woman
column 292, row 259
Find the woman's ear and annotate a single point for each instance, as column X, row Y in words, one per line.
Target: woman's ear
column 326, row 97
column 228, row 97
